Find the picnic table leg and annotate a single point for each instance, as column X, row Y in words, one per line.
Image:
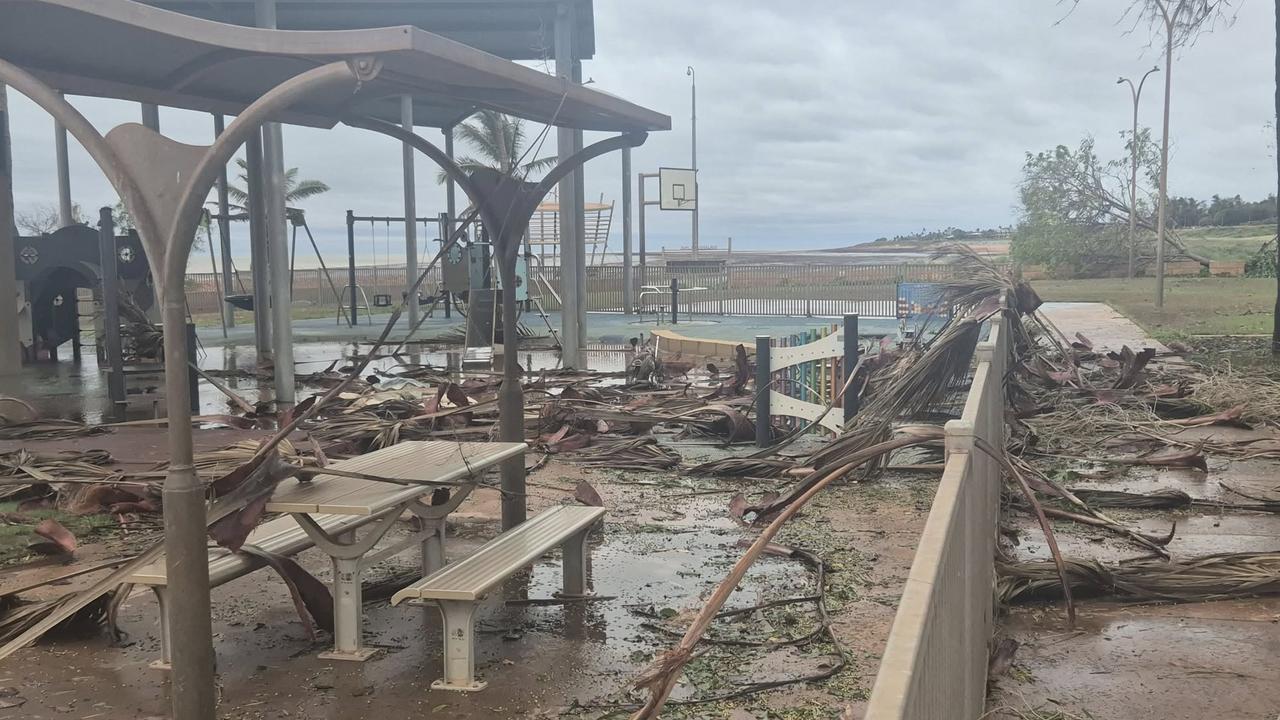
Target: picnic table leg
column 459, row 647
column 433, row 548
column 576, row 556
column 165, row 661
column 348, row 610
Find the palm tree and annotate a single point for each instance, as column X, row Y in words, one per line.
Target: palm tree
column 295, row 190
column 498, row 141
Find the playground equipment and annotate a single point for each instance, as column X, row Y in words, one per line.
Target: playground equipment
column 60, row 275
column 802, row 374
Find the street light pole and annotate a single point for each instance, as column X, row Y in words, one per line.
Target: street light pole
column 1136, row 93
column 693, row 104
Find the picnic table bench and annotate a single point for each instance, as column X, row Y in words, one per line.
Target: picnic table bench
column 459, row 587
column 327, row 511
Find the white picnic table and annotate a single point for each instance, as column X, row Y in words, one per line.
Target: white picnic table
column 442, row 473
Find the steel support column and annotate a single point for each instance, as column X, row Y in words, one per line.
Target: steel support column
column 579, row 222
column 277, row 223
column 410, row 212
column 66, row 213
column 151, row 116
column 278, row 265
column 224, row 232
column 570, row 309
column 628, row 281
column 258, row 248
column 111, row 313
column 10, row 350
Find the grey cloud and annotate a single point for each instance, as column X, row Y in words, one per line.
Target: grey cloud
column 825, row 122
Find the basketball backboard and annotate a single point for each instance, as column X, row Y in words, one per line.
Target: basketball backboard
column 677, row 189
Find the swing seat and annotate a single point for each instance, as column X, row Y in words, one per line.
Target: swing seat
column 243, row 302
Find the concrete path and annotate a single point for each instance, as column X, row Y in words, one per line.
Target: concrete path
column 1145, row 662
column 1104, row 326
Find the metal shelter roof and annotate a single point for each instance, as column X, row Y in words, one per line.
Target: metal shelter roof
column 127, row 50
column 513, row 29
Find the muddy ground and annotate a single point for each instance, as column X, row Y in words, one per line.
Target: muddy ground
column 667, row 541
column 1130, row 661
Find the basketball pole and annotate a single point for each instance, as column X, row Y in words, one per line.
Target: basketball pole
column 693, row 104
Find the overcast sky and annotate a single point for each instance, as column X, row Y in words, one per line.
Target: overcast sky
column 822, row 123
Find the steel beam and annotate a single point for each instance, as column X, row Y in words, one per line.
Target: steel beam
column 66, row 213
column 410, row 212
column 224, row 233
column 628, row 282
column 258, row 248
column 570, row 308
column 10, row 350
column 277, row 224
column 111, row 313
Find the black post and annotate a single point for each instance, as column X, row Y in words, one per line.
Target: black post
column 850, row 400
column 764, row 435
column 111, row 312
column 675, row 301
column 351, row 267
column 445, row 234
column 193, row 378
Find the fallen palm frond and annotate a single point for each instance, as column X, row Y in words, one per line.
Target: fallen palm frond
column 1165, row 499
column 1224, row 388
column 660, row 678
column 48, row 430
column 1212, row 577
column 639, row 454
column 744, row 467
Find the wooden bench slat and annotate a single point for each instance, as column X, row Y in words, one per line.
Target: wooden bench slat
column 472, row 577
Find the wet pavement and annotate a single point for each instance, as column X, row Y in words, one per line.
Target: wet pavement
column 1149, row 662
column 666, row 542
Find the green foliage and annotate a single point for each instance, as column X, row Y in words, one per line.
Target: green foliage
column 1221, row 211
column 1263, row 262
column 295, row 190
column 1075, row 209
column 499, row 141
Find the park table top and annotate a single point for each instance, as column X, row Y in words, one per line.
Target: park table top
column 433, row 463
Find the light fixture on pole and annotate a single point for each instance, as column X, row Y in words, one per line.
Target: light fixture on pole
column 1136, row 93
column 693, row 104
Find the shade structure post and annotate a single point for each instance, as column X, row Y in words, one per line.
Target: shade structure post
column 224, row 232
column 410, row 212
column 10, row 350
column 570, row 312
column 764, row 436
column 111, row 313
column 351, row 268
column 254, row 186
column 628, row 279
column 850, row 364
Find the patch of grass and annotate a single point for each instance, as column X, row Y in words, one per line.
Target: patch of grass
column 1192, row 306
column 16, row 529
column 1233, row 243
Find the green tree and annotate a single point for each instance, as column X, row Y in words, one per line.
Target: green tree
column 295, row 190
column 1075, row 209
column 499, row 143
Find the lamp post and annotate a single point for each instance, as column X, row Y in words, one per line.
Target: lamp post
column 1136, row 94
column 693, row 103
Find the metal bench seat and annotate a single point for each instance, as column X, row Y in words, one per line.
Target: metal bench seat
column 282, row 536
column 459, row 587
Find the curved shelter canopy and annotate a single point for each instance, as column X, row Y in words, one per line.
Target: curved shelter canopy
column 121, row 49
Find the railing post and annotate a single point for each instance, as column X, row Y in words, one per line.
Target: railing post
column 850, row 400
column 675, row 301
column 764, row 436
